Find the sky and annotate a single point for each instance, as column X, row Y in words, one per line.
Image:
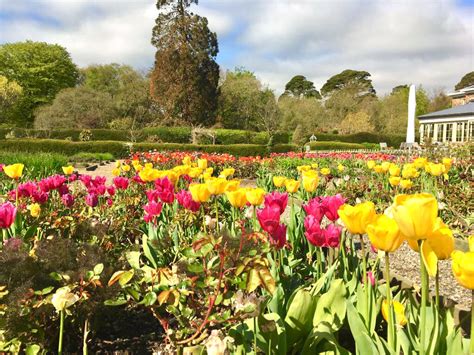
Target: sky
column 427, row 42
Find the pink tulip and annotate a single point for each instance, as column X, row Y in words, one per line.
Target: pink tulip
column 27, row 189
column 185, row 199
column 278, row 237
column 269, row 218
column 371, row 278
column 332, row 235
column 277, row 199
column 152, row 210
column 111, row 190
column 92, row 200
column 313, row 231
column 7, row 214
column 40, row 197
column 315, row 208
column 121, row 183
column 165, row 190
column 331, row 204
column 68, row 200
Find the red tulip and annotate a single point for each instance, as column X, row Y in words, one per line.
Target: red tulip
column 277, row 199
column 331, row 204
column 269, row 218
column 7, row 215
column 313, row 231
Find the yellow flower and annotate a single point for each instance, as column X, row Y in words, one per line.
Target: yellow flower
column 228, row 172
column 255, row 196
column 435, row 169
column 384, row 233
column 415, row 214
column 441, row 240
column 237, row 198
column 68, row 170
column 340, row 168
column 406, row 184
column 314, row 165
column 199, row 192
column 126, row 167
column 325, row 171
column 398, row 309
column 209, row 171
column 371, row 164
column 420, row 162
column 394, row 170
column 463, row 268
column 216, row 186
column 14, row 171
column 232, row 185
column 394, row 180
column 63, row 298
column 117, row 164
column 292, row 185
column 171, row 175
column 194, row 172
column 148, row 165
column 310, row 182
column 378, row 169
column 385, row 166
column 35, row 209
column 116, row 172
column 148, row 174
column 357, row 218
column 302, row 168
column 409, row 171
column 279, row 181
column 447, row 162
column 187, row 160
column 202, row 163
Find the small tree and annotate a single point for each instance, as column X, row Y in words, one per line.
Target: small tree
column 356, row 122
column 300, row 137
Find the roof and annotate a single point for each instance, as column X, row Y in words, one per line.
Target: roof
column 462, row 110
column 462, row 92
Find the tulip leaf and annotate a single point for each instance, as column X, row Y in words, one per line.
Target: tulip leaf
column 149, row 252
column 322, row 341
column 253, row 280
column 149, row 299
column 362, row 337
column 331, row 306
column 98, row 269
column 267, row 280
column 133, row 258
column 32, row 349
column 272, row 329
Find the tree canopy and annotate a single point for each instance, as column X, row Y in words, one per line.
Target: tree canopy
column 359, row 82
column 185, row 76
column 466, row 80
column 41, row 69
column 300, row 87
column 10, row 93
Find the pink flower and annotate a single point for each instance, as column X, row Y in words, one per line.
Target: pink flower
column 63, row 189
column 109, row 202
column 152, row 210
column 138, row 179
column 371, row 278
column 68, row 200
column 313, row 231
column 86, row 180
column 185, row 199
column 315, row 208
column 331, row 204
column 1, row 167
column 99, row 190
column 111, row 190
column 51, row 183
column 277, row 199
column 27, row 189
column 269, row 218
column 92, row 200
column 278, row 237
column 332, row 235
column 40, row 197
column 121, row 183
column 99, row 180
column 165, row 190
column 7, row 214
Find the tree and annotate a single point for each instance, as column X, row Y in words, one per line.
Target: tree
column 466, row 80
column 300, row 87
column 358, row 82
column 245, row 104
column 300, row 136
column 307, row 112
column 41, row 69
column 356, row 122
column 185, row 76
column 439, row 101
column 10, row 93
column 78, row 107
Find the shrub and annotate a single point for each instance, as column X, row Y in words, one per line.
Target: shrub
column 169, row 134
column 234, row 149
column 87, row 157
column 330, row 145
column 37, row 165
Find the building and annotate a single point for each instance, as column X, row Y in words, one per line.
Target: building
column 454, row 124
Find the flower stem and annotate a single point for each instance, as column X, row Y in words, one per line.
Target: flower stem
column 255, row 334
column 217, row 214
column 390, row 327
column 471, row 347
column 437, row 288
column 424, row 299
column 61, row 330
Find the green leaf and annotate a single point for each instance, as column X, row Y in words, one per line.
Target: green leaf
column 331, row 306
column 322, row 341
column 98, row 269
column 196, row 268
column 362, row 337
column 149, row 299
column 117, row 302
column 133, row 258
column 32, row 349
column 253, row 280
column 149, row 252
column 272, row 329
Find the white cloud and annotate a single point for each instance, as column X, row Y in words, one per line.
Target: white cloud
column 429, row 42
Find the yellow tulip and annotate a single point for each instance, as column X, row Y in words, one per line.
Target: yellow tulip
column 340, row 168
column 415, row 214
column 228, row 172
column 194, row 172
column 409, row 171
column 237, row 198
column 441, row 240
column 68, row 170
column 232, row 185
column 371, row 164
column 310, row 182
column 202, row 163
column 435, row 169
column 357, row 218
column 209, row 170
column 302, row 168
column 406, row 184
column 118, row 163
column 199, row 192
column 148, row 174
column 292, row 185
column 171, row 175
column 255, row 196
column 394, row 180
column 148, row 165
column 187, row 160
column 35, row 209
column 420, row 162
column 463, row 268
column 14, row 171
column 325, row 171
column 447, row 162
column 384, row 233
column 116, row 172
column 216, row 186
column 314, row 165
column 378, row 169
column 398, row 309
column 394, row 170
column 126, row 168
column 279, row 181
column 385, row 166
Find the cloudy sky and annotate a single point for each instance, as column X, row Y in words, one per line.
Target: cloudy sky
column 428, row 42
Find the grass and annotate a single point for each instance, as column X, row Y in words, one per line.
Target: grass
column 37, row 165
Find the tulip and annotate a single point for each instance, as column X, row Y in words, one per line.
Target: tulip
column 237, row 198
column 149, row 174
column 292, row 185
column 340, row 168
column 202, row 163
column 435, row 169
column 420, row 162
column 399, row 310
column 35, row 209
column 406, row 184
column 14, row 171
column 371, row 164
column 394, row 170
column 255, row 196
column 199, row 192
column 269, row 218
column 447, row 162
column 68, row 170
column 187, row 160
column 228, row 172
column 116, row 172
column 152, row 209
column 313, row 231
column 185, row 199
column 325, row 171
column 277, row 199
column 68, row 200
column 463, row 268
column 121, row 183
column 126, row 168
column 332, row 236
column 7, row 215
column 310, row 182
column 331, row 206
column 394, row 180
column 216, row 186
column 357, row 218
column 385, row 166
column 232, row 185
column 92, row 200
column 278, row 237
column 415, row 214
column 384, row 233
column 378, row 169
column 315, row 208
column 279, row 181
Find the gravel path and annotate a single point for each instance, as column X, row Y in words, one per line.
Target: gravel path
column 102, row 170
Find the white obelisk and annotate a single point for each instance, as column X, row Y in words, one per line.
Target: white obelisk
column 411, row 115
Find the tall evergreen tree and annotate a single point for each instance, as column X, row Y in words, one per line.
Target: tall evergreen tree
column 185, row 77
column 300, row 87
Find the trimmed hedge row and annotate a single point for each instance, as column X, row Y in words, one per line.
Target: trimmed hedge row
column 120, row 149
column 328, row 145
column 161, row 134
column 393, row 140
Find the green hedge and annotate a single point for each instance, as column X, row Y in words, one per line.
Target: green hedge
column 120, row 149
column 168, row 134
column 328, row 145
column 393, row 140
